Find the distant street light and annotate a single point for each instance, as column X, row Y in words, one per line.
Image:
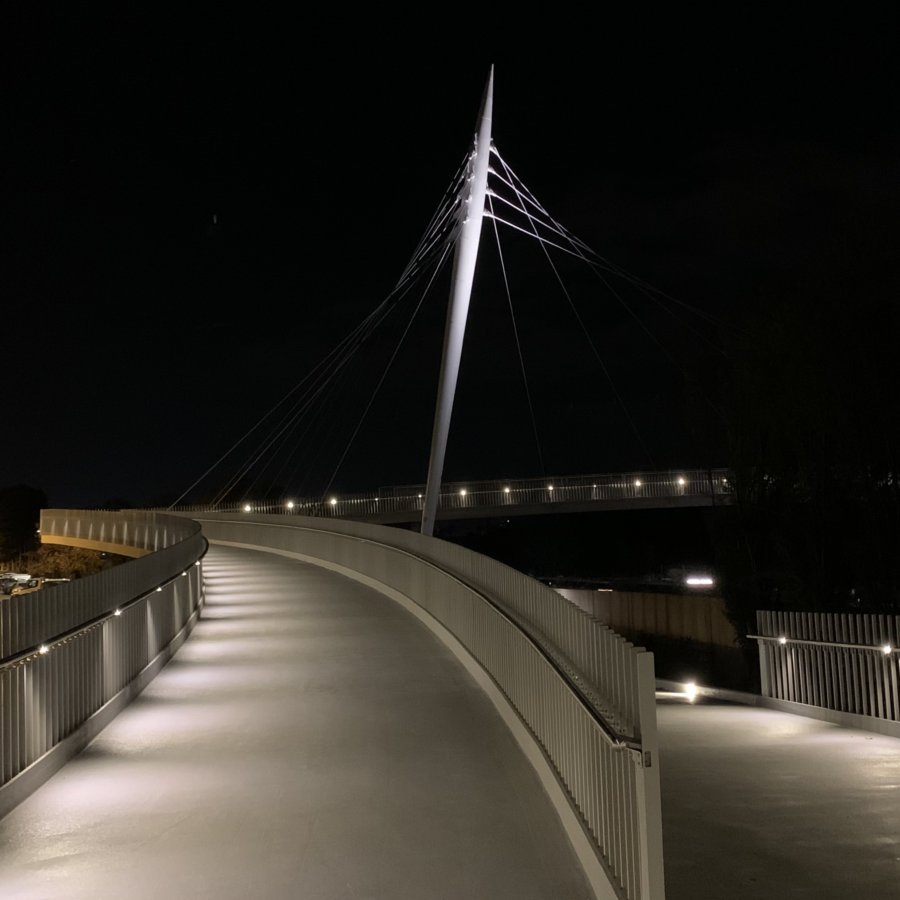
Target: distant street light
column 699, row 581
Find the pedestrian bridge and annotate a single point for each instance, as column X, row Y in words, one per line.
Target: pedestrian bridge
column 507, row 497
column 366, row 712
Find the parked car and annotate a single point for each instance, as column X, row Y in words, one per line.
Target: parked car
column 37, row 584
column 9, row 580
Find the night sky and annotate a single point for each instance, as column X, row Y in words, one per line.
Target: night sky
column 719, row 159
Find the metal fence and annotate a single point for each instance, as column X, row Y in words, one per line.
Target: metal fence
column 67, row 651
column 509, row 494
column 838, row 661
column 586, row 694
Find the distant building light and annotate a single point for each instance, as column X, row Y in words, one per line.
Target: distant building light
column 44, row 649
column 637, row 482
column 333, row 501
column 247, row 507
column 506, row 490
column 462, row 493
column 549, row 487
column 681, row 481
column 690, row 690
column 887, row 649
column 118, row 612
column 699, row 580
column 782, row 640
column 420, row 496
column 290, row 504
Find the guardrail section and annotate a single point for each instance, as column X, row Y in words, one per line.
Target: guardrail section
column 586, row 694
column 66, row 652
column 837, row 661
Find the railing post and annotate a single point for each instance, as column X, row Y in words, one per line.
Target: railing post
column 647, row 782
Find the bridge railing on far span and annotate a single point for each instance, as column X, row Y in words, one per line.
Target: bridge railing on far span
column 457, row 498
column 71, row 656
column 585, row 693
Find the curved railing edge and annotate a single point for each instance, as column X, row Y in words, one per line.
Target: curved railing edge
column 48, row 718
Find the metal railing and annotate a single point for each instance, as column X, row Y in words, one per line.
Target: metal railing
column 65, row 652
column 838, row 661
column 586, row 694
column 457, row 497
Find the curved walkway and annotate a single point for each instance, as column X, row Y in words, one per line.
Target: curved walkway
column 311, row 740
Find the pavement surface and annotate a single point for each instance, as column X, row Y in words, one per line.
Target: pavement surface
column 311, row 740
column 763, row 804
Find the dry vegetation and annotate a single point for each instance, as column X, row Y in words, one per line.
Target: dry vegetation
column 55, row 561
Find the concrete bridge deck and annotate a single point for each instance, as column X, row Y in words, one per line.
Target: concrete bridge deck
column 760, row 804
column 311, row 740
column 314, row 740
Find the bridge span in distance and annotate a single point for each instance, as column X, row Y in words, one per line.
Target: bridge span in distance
column 672, row 489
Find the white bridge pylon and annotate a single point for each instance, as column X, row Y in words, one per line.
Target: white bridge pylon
column 471, row 215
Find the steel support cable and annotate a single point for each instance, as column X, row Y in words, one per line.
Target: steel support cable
column 288, row 418
column 296, row 409
column 434, row 275
column 314, row 421
column 653, row 337
column 606, row 265
column 350, row 362
column 351, row 345
column 445, row 207
column 298, row 420
column 518, row 343
column 591, row 343
column 596, row 268
column 294, row 421
column 618, row 270
column 322, row 363
column 310, row 374
column 318, row 422
column 633, row 314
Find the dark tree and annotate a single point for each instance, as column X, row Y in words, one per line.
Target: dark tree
column 20, row 513
column 814, row 430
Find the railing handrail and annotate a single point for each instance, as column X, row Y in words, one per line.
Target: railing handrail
column 49, row 643
column 792, row 640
